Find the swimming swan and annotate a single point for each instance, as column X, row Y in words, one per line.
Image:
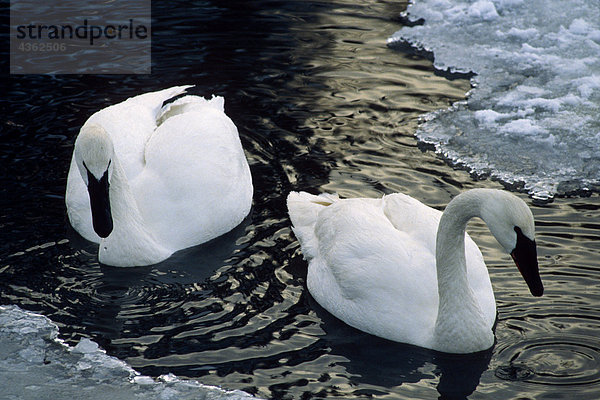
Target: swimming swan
column 147, row 180
column 396, row 268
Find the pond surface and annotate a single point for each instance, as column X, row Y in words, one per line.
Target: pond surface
column 322, row 105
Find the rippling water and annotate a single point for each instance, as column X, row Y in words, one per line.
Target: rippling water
column 321, row 105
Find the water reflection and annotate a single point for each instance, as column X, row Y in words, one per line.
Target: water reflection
column 381, row 363
column 121, row 297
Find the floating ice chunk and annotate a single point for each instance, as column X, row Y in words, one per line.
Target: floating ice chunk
column 488, row 116
column 534, row 90
column 579, row 27
column 143, row 380
column 522, row 127
column 537, row 66
column 35, row 364
column 484, row 10
column 504, row 4
column 587, row 86
column 85, row 346
column 82, row 365
column 516, row 33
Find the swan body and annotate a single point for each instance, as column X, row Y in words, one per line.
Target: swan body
column 398, row 269
column 146, row 180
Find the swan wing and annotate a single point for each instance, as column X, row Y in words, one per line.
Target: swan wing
column 187, row 104
column 364, row 270
column 421, row 225
column 130, row 125
column 196, row 184
column 409, row 215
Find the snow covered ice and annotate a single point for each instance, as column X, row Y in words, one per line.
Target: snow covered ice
column 533, row 115
column 34, row 364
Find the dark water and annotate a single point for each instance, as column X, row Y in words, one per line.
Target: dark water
column 321, row 105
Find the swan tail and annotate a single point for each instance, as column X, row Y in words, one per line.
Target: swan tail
column 303, row 209
column 155, row 100
column 187, row 104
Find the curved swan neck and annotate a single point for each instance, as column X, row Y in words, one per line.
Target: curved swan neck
column 450, row 241
column 460, row 325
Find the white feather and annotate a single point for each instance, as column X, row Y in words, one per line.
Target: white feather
column 178, row 175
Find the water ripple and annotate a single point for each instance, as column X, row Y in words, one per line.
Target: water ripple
column 554, row 361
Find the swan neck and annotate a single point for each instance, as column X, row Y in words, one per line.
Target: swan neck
column 459, row 313
column 450, row 242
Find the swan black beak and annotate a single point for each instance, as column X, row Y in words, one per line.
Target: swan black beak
column 100, row 204
column 525, row 256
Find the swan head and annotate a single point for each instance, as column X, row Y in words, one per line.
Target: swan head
column 511, row 222
column 94, row 154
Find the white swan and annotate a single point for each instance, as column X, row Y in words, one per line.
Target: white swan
column 398, row 269
column 147, row 180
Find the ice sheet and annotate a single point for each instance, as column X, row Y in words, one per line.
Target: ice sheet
column 533, row 115
column 34, row 364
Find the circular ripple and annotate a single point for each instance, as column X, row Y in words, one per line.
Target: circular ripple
column 513, row 372
column 567, row 360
